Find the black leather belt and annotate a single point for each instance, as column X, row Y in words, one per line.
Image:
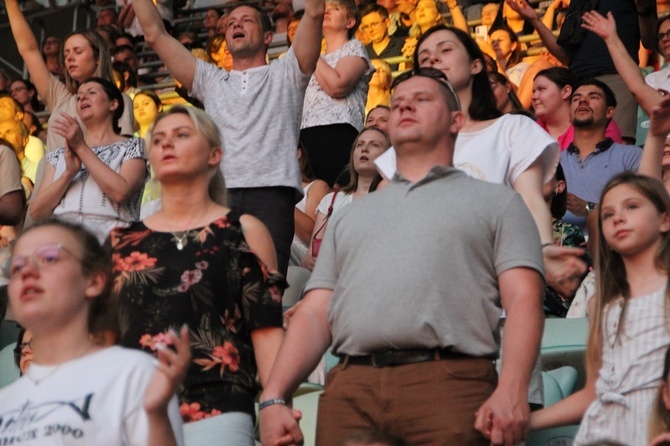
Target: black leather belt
column 389, row 358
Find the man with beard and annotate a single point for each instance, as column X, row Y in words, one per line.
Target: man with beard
column 593, row 159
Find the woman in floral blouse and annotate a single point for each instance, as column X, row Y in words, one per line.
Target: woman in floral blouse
column 196, row 262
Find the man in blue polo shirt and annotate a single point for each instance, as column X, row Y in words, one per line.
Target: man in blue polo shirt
column 593, row 159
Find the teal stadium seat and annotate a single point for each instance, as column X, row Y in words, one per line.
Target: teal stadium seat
column 564, row 343
column 8, row 370
column 558, row 384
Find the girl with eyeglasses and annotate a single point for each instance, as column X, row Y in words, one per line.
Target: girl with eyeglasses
column 77, row 391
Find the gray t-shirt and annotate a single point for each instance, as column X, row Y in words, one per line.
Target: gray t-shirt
column 258, row 113
column 417, row 265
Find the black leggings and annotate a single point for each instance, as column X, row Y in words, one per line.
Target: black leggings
column 328, row 149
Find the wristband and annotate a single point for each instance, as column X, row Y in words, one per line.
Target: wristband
column 271, row 402
column 544, row 245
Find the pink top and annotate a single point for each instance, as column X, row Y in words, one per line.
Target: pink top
column 613, row 131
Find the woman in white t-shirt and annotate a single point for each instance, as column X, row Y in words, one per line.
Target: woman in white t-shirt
column 508, row 149
column 77, row 391
column 334, row 106
column 368, row 145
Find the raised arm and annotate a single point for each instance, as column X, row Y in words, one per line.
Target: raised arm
column 178, row 60
column 605, row 28
column 546, row 34
column 28, row 47
column 338, row 81
column 307, row 40
column 307, row 338
column 652, row 155
column 457, row 16
column 504, row 417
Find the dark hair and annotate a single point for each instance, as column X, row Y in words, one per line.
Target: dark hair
column 94, row 259
column 559, row 203
column 18, row 349
column 353, row 175
column 559, row 76
column 34, row 120
column 34, row 101
column 150, row 94
column 502, row 79
column 610, row 98
column 127, row 36
column 266, row 23
column 123, row 68
column 305, row 168
column 657, row 43
column 483, row 104
column 516, row 56
column 122, row 48
column 374, row 7
column 112, row 93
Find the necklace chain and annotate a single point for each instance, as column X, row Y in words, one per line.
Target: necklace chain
column 55, row 369
column 181, row 240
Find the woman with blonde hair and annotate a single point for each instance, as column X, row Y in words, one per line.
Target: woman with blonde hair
column 196, row 262
column 379, row 92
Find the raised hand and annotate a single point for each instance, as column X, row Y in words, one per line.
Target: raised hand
column 523, row 8
column 660, row 116
column 599, row 25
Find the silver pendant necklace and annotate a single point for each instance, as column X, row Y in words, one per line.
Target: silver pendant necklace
column 181, row 240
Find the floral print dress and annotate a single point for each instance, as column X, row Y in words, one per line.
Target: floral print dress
column 217, row 286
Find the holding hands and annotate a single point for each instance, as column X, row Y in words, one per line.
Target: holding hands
column 279, row 426
column 504, row 420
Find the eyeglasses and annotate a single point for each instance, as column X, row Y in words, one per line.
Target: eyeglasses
column 431, row 73
column 371, row 25
column 17, row 89
column 666, row 34
column 43, row 257
column 19, row 353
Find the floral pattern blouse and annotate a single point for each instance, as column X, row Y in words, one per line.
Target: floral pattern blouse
column 217, row 286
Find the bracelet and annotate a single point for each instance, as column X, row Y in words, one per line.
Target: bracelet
column 271, row 402
column 544, row 245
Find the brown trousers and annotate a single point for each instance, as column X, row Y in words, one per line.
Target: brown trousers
column 428, row 403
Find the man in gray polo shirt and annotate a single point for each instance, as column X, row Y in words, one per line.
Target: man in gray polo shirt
column 257, row 107
column 593, row 159
column 409, row 289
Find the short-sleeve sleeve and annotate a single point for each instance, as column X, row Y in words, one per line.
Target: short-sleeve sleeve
column 517, row 240
column 261, row 293
column 53, row 156
column 135, row 149
column 10, row 171
column 529, row 142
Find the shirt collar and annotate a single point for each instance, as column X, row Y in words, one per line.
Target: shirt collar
column 435, row 173
column 602, row 146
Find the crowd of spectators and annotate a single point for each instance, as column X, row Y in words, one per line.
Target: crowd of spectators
column 295, row 128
